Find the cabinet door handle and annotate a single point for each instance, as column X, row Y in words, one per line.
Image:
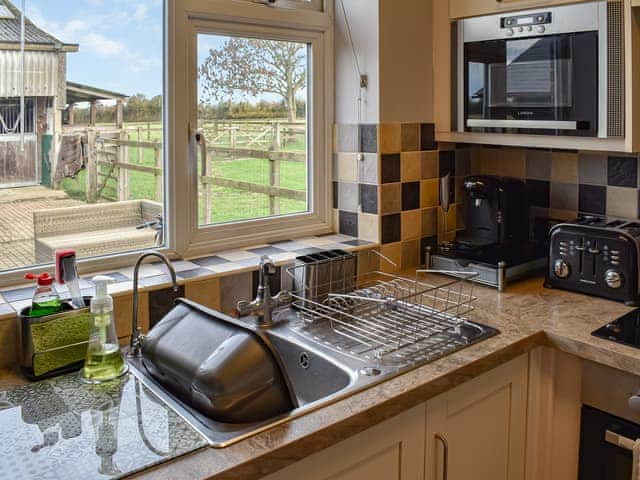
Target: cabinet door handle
column 445, row 460
column 619, row 440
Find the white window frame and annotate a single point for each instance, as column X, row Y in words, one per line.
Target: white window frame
column 228, row 17
column 183, row 237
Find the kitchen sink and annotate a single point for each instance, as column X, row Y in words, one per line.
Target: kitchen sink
column 319, row 370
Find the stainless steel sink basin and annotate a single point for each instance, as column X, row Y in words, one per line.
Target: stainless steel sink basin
column 319, row 372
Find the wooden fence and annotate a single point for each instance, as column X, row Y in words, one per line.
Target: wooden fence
column 111, row 156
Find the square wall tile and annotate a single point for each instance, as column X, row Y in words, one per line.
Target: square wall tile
column 346, row 138
column 348, row 197
column 368, row 138
column 429, row 222
column 490, row 160
column 122, row 310
column 538, row 192
column 564, row 166
column 335, row 193
column 392, row 261
column 369, row 198
column 538, row 164
column 451, row 219
column 622, row 171
column 564, row 196
column 348, row 223
column 369, row 227
column 592, row 199
column 411, row 225
column 622, row 202
column 390, row 168
column 446, row 163
column 429, row 162
column 427, row 136
column 390, row 137
column 205, row 292
column 410, row 137
column 514, row 162
column 8, row 344
column 592, row 168
column 391, row 228
column 460, row 225
column 345, row 167
column 235, row 288
column 429, row 193
column 410, row 195
column 368, row 169
column 463, row 162
column 410, row 254
column 162, row 301
column 410, row 166
column 390, row 198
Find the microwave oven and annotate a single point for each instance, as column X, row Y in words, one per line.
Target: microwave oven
column 548, row 71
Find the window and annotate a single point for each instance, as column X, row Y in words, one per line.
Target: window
column 132, row 140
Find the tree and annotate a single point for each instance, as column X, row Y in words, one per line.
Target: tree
column 250, row 67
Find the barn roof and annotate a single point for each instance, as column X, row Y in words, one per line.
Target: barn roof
column 77, row 92
column 35, row 37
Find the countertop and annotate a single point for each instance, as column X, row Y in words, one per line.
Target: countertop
column 527, row 315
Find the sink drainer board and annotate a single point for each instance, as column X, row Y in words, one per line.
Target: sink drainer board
column 379, row 316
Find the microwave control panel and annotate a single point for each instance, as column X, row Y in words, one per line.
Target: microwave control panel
column 515, row 21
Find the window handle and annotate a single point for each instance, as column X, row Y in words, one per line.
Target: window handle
column 201, row 141
column 445, row 460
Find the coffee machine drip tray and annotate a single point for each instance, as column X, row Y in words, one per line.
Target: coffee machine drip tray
column 496, row 266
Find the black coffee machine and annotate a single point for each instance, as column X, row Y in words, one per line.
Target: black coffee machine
column 495, row 242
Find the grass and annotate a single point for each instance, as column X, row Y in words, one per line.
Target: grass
column 228, row 204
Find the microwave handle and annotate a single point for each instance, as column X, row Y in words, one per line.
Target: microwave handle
column 619, row 440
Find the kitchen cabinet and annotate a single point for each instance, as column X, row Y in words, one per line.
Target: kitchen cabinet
column 471, row 8
column 478, row 430
column 392, row 450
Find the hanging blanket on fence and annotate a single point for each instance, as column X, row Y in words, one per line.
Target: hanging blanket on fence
column 70, row 161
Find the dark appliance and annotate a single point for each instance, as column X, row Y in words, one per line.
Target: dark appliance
column 625, row 330
column 495, row 242
column 606, row 443
column 596, row 256
column 543, row 71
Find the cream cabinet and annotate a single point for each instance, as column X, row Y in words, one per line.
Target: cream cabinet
column 472, row 8
column 392, row 450
column 478, row 430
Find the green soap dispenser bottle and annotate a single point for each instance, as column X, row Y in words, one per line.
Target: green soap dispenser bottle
column 104, row 360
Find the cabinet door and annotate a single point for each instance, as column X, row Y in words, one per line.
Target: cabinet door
column 483, row 425
column 472, row 8
column 392, row 450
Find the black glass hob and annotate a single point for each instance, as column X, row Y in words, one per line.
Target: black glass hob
column 625, row 330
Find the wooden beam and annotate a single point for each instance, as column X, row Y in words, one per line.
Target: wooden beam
column 119, row 114
column 93, row 114
column 256, row 188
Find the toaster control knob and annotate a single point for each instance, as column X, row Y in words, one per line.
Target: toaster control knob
column 613, row 279
column 561, row 268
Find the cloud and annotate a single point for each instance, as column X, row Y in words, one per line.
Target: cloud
column 140, row 11
column 97, row 43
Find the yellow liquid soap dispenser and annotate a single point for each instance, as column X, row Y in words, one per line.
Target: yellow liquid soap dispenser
column 104, row 360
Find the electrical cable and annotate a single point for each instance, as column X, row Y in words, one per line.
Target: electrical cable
column 355, row 57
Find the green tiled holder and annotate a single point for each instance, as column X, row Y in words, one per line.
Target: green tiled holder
column 54, row 344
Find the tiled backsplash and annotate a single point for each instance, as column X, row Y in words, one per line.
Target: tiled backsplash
column 386, row 187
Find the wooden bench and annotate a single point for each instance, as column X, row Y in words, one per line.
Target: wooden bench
column 96, row 229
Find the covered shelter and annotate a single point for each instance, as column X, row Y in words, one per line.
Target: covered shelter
column 79, row 93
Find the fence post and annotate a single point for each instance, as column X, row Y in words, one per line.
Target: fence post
column 139, row 147
column 233, row 136
column 92, row 166
column 277, row 136
column 123, row 173
column 207, row 189
column 274, row 181
column 157, row 162
column 148, row 130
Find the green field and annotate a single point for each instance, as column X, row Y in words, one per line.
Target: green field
column 228, row 204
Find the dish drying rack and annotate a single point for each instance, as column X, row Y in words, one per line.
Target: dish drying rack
column 345, row 301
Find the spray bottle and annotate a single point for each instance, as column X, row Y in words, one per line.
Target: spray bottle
column 104, row 360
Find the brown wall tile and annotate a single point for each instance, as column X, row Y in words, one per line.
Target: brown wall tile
column 410, row 254
column 392, row 251
column 205, row 292
column 390, row 138
column 411, row 224
column 430, row 222
column 390, row 198
column 429, row 162
column 429, row 193
column 8, row 342
column 564, row 167
column 123, row 308
column 410, row 137
column 410, row 166
column 514, row 162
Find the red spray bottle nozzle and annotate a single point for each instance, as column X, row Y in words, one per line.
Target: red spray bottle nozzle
column 44, row 279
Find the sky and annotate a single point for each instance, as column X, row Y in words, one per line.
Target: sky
column 120, row 41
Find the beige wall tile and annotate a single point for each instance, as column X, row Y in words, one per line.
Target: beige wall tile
column 429, row 164
column 390, row 137
column 564, row 167
column 514, row 162
column 429, row 193
column 411, row 224
column 233, row 289
column 346, row 166
column 410, row 254
column 123, row 308
column 8, row 342
column 622, row 202
column 335, row 219
column 392, row 251
column 369, row 227
column 204, row 292
column 410, row 166
column 430, row 222
column 390, row 198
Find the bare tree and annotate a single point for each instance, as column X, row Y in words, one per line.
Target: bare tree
column 250, row 67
